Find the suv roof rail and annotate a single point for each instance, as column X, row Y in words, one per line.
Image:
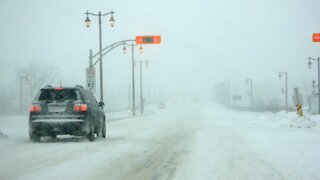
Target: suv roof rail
column 79, row 86
column 48, row 86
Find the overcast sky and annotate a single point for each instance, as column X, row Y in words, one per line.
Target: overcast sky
column 203, row 42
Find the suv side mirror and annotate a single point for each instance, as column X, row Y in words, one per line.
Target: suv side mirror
column 101, row 104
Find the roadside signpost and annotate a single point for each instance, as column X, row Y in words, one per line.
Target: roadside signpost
column 91, row 79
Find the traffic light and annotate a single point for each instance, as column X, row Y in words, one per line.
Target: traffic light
column 148, row 39
column 316, row 37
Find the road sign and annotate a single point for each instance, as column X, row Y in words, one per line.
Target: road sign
column 297, row 97
column 91, row 79
column 148, row 39
column 316, row 37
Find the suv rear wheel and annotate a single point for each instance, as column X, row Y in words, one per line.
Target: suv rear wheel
column 103, row 131
column 91, row 133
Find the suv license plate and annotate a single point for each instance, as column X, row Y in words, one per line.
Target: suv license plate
column 57, row 109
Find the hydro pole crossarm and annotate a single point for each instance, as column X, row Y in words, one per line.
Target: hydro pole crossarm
column 109, row 48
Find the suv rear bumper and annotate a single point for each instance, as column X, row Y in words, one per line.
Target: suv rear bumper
column 45, row 127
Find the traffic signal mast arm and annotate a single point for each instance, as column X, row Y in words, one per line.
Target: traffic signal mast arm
column 139, row 40
column 109, row 48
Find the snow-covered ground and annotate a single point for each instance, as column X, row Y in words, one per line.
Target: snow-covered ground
column 183, row 141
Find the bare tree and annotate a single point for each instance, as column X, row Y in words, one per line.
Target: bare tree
column 7, row 107
column 37, row 76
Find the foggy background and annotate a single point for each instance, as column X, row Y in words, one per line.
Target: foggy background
column 203, row 43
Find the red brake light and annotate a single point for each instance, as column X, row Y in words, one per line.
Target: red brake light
column 35, row 108
column 80, row 107
column 58, row 88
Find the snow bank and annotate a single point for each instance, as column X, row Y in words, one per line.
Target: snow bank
column 299, row 122
column 290, row 119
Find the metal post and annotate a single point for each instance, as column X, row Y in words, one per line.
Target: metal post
column 90, row 58
column 228, row 93
column 133, row 93
column 100, row 53
column 129, row 97
column 318, row 85
column 251, row 94
column 20, row 95
column 286, row 92
column 251, row 90
column 141, row 97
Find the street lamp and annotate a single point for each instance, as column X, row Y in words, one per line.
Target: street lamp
column 87, row 23
column 286, row 74
column 124, row 49
column 251, row 93
column 313, row 83
column 25, row 78
column 313, row 86
column 310, row 65
column 141, row 95
column 140, row 49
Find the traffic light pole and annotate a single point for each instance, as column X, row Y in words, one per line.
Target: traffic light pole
column 141, row 97
column 133, row 93
column 141, row 91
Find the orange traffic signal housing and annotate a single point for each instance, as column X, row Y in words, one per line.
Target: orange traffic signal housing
column 148, row 39
column 316, row 37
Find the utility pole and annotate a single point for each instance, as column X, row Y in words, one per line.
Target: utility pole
column 251, row 93
column 133, row 93
column 310, row 64
column 141, row 97
column 286, row 74
column 21, row 79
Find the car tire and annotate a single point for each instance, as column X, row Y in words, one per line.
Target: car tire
column 103, row 131
column 91, row 132
column 34, row 137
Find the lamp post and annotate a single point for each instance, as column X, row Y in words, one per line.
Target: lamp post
column 141, row 94
column 313, row 86
column 309, row 65
column 112, row 22
column 25, row 78
column 132, row 61
column 286, row 74
column 251, row 93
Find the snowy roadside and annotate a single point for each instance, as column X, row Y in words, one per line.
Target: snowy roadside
column 287, row 120
column 14, row 126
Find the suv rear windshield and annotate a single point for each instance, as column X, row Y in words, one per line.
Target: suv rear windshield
column 50, row 95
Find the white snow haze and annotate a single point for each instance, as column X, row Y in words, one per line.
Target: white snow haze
column 215, row 107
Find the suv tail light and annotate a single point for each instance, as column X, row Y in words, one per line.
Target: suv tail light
column 80, row 107
column 35, row 108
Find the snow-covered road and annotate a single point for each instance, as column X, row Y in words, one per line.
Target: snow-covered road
column 184, row 141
